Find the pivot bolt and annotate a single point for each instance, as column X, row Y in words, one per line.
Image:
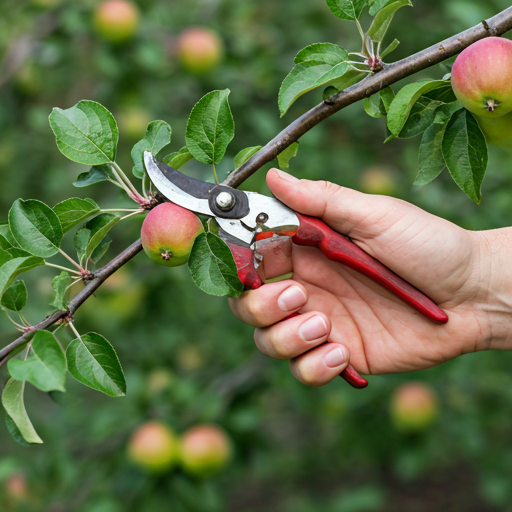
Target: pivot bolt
column 225, row 201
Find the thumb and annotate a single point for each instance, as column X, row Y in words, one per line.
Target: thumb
column 347, row 211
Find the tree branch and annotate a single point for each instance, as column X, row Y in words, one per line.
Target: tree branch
column 495, row 26
column 391, row 73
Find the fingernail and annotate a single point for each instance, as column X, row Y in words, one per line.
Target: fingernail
column 285, row 176
column 313, row 328
column 334, row 358
column 291, row 298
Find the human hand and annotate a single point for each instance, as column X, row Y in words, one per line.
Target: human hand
column 363, row 322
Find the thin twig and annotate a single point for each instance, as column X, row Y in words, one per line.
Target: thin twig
column 495, row 26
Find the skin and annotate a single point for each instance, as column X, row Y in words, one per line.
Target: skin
column 465, row 272
column 483, row 72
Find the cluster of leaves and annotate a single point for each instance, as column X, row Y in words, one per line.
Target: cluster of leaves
column 87, row 133
column 451, row 138
column 329, row 65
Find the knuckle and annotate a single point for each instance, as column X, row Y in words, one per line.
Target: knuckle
column 306, row 373
column 254, row 311
column 270, row 345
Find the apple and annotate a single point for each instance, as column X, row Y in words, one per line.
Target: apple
column 205, row 450
column 116, row 21
column 376, row 180
column 414, row 407
column 168, row 234
column 153, row 447
column 200, row 49
column 16, row 487
column 482, row 77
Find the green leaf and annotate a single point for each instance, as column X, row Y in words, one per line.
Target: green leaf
column 45, row 367
column 445, row 112
column 377, row 5
column 382, row 20
column 443, row 93
column 210, row 127
column 347, row 9
column 74, row 210
column 431, row 160
column 89, row 237
column 285, row 156
column 403, row 102
column 391, row 47
column 100, row 250
column 36, row 227
column 60, row 286
column 244, row 155
column 387, row 95
column 178, row 158
column 6, row 239
column 465, row 153
column 158, row 135
column 316, row 65
column 86, row 133
column 15, row 297
column 351, row 77
column 93, row 361
column 213, row 268
column 12, row 400
column 14, row 267
column 420, row 118
column 374, row 106
column 15, row 431
column 94, row 175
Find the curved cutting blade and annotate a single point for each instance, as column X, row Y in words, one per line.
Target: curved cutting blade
column 183, row 190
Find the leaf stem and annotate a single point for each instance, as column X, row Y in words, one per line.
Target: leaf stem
column 23, row 319
column 119, row 210
column 132, row 214
column 16, row 324
column 215, row 174
column 361, row 33
column 61, row 268
column 127, row 181
column 75, row 331
column 29, row 346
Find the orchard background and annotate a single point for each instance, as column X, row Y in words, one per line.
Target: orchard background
column 187, row 360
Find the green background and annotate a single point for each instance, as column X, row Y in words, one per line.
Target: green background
column 297, row 449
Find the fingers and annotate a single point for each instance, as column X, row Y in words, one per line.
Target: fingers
column 321, row 364
column 270, row 303
column 342, row 208
column 293, row 337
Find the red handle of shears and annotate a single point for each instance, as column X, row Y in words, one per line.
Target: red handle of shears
column 314, row 232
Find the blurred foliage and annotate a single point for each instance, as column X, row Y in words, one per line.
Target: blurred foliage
column 187, row 360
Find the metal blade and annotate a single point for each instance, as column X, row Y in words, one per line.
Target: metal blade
column 187, row 192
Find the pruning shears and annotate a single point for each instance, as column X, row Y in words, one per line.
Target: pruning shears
column 260, row 230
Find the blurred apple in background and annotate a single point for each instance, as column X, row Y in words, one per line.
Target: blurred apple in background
column 116, row 21
column 378, row 180
column 414, row 407
column 133, row 122
column 153, row 447
column 159, row 380
column 205, row 450
column 16, row 488
column 200, row 49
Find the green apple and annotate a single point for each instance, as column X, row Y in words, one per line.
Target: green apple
column 200, row 49
column 116, row 21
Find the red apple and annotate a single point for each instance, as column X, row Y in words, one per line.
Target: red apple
column 200, row 49
column 482, row 77
column 205, row 450
column 116, row 21
column 168, row 234
column 153, row 447
column 414, row 406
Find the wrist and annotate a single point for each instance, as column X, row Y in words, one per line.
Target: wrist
column 494, row 288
